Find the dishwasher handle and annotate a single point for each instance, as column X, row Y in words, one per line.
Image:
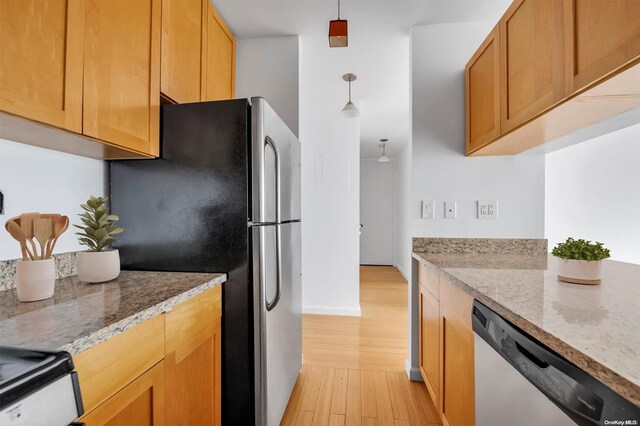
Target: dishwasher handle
column 566, row 385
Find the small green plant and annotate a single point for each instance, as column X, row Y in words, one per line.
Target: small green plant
column 580, row 250
column 97, row 224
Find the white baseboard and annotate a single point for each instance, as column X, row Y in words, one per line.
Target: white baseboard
column 329, row 310
column 402, row 272
column 413, row 373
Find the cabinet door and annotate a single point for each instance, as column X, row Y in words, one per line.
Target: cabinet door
column 601, row 36
column 193, row 379
column 41, row 61
column 430, row 342
column 122, row 73
column 482, row 81
column 457, row 384
column 531, row 60
column 140, row 403
column 220, row 59
column 182, row 65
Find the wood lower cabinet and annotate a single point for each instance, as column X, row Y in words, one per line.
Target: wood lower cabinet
column 429, row 332
column 121, row 101
column 457, row 384
column 193, row 363
column 166, row 370
column 532, row 60
column 600, row 37
column 446, row 353
column 220, row 59
column 182, row 56
column 140, row 403
column 41, row 52
column 482, row 81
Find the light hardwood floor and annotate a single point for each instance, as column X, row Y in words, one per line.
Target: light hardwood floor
column 353, row 368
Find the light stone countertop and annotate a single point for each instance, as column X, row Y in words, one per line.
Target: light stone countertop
column 597, row 327
column 80, row 315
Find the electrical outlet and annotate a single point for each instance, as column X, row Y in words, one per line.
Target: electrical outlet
column 487, row 209
column 427, row 209
column 449, row 209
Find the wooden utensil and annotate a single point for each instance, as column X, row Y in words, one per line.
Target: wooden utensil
column 54, row 217
column 18, row 235
column 59, row 227
column 26, row 224
column 42, row 232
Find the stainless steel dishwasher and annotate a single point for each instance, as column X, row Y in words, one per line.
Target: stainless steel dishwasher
column 521, row 382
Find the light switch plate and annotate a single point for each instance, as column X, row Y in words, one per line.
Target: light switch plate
column 449, row 209
column 487, row 209
column 427, row 209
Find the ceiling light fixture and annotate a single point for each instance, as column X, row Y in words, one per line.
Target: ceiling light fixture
column 338, row 30
column 383, row 158
column 350, row 110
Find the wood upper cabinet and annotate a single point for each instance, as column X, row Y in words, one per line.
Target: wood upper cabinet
column 220, row 59
column 193, row 361
column 457, row 384
column 182, row 56
column 122, row 73
column 429, row 337
column 41, row 61
column 140, row 403
column 601, row 37
column 531, row 60
column 482, row 81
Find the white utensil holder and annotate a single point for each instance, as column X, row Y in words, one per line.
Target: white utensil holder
column 35, row 279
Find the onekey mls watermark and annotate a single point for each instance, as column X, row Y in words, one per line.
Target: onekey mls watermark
column 621, row 422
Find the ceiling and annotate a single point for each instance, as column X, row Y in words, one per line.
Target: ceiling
column 378, row 49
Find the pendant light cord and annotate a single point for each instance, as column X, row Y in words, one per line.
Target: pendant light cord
column 338, row 9
column 349, row 90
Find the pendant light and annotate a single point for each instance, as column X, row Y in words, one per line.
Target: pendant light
column 383, row 158
column 338, row 30
column 350, row 110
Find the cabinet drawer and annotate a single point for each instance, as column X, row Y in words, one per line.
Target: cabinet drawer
column 185, row 320
column 428, row 278
column 108, row 367
column 455, row 299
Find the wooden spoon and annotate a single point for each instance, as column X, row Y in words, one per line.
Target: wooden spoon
column 18, row 235
column 59, row 226
column 26, row 223
column 42, row 232
column 54, row 217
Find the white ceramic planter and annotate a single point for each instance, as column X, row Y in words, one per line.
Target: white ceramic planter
column 98, row 267
column 579, row 271
column 35, row 279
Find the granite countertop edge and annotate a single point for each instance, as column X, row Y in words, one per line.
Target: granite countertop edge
column 606, row 375
column 99, row 336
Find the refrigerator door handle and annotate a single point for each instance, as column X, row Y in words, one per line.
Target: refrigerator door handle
column 268, row 142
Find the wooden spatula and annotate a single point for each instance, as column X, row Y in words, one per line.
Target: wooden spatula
column 59, row 226
column 42, row 231
column 18, row 235
column 26, row 224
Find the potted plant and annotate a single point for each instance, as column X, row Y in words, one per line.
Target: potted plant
column 580, row 261
column 99, row 263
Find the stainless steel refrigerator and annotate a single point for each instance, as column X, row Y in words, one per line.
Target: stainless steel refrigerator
column 225, row 197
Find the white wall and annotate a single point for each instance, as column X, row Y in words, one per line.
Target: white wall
column 440, row 169
column 269, row 67
column 330, row 183
column 403, row 240
column 593, row 192
column 377, row 212
column 38, row 179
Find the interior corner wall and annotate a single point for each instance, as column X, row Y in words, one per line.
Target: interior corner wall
column 593, row 192
column 269, row 67
column 35, row 179
column 440, row 170
column 403, row 239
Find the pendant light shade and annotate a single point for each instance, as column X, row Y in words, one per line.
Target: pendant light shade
column 383, row 158
column 350, row 110
column 338, row 31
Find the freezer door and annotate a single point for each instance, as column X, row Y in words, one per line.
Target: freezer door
column 278, row 307
column 275, row 150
